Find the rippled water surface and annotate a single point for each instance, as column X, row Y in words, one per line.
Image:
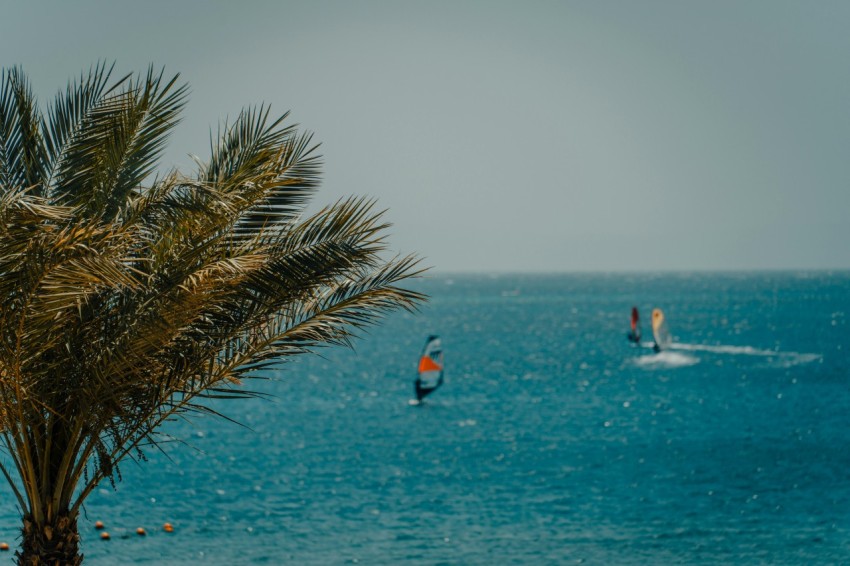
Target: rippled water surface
column 553, row 441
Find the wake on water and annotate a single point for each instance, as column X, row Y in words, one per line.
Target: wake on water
column 673, row 356
column 666, row 359
column 724, row 349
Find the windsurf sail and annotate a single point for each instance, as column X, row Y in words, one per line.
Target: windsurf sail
column 634, row 333
column 660, row 331
column 430, row 368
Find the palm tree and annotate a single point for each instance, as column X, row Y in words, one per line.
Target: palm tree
column 129, row 296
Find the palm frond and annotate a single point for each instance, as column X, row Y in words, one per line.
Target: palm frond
column 268, row 170
column 22, row 150
column 69, row 112
column 118, row 143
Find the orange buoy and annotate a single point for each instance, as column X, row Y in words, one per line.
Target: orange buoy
column 168, row 528
column 141, row 532
column 4, row 546
column 104, row 535
column 98, row 524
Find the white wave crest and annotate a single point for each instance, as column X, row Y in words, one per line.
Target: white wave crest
column 666, row 359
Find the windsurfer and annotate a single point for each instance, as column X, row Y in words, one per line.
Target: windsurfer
column 634, row 333
column 430, row 374
column 660, row 331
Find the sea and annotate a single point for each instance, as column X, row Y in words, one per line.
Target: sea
column 553, row 440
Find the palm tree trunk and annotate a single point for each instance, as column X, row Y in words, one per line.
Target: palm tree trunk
column 53, row 544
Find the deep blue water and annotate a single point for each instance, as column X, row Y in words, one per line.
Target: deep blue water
column 553, row 440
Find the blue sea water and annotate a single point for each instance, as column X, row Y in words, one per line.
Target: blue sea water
column 553, row 441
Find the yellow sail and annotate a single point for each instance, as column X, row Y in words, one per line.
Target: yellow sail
column 659, row 330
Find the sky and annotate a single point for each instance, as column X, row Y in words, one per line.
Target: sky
column 527, row 136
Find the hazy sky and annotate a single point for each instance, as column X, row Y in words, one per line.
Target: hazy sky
column 519, row 136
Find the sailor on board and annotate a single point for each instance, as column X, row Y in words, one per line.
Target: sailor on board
column 659, row 331
column 634, row 333
column 430, row 371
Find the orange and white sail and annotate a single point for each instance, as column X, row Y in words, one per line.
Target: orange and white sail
column 430, row 374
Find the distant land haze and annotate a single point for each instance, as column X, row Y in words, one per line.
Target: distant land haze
column 546, row 137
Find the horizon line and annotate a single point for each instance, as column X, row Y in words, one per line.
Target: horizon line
column 672, row 271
